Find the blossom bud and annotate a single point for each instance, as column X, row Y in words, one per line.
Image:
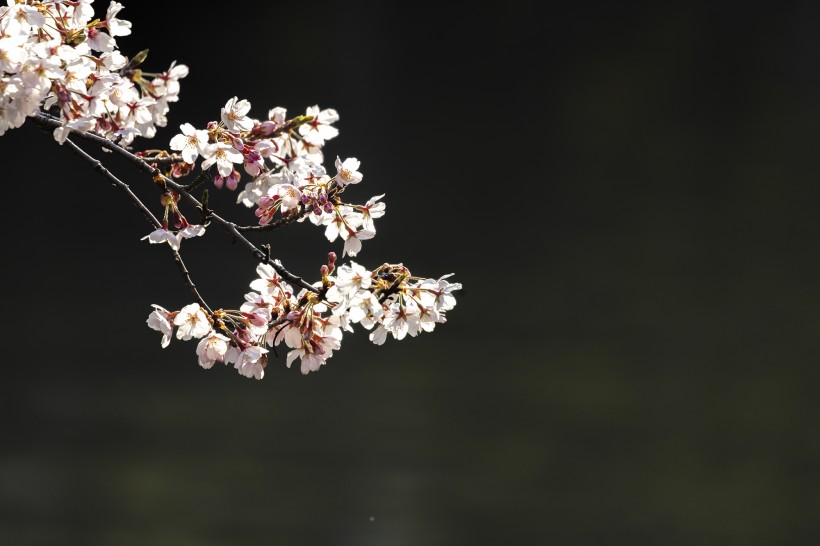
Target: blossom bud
column 267, row 127
column 168, row 198
column 243, row 336
column 257, row 319
column 233, row 180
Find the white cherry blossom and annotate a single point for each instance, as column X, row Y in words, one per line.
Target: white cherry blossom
column 163, row 235
column 160, row 320
column 191, row 321
column 224, row 155
column 347, row 171
column 235, row 115
column 190, row 143
column 212, row 349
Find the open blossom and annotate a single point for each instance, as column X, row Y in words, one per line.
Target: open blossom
column 100, row 41
column 348, row 171
column 116, row 27
column 269, row 282
column 362, row 305
column 372, row 209
column 319, row 130
column 160, row 320
column 212, row 349
column 438, row 293
column 27, row 17
column 352, row 278
column 342, row 223
column 191, row 230
column 235, row 115
column 288, row 194
column 163, row 235
column 190, row 143
column 314, row 353
column 191, row 321
column 224, row 155
column 249, row 362
column 353, row 244
column 402, row 319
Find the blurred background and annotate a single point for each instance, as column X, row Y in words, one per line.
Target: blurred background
column 628, row 195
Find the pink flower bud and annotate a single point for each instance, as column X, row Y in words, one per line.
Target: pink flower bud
column 267, row 127
column 233, row 180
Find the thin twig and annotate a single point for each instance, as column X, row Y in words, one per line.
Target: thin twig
column 141, row 164
column 201, row 178
column 97, row 165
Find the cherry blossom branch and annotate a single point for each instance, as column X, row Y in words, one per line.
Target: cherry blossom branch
column 61, row 66
column 100, row 169
column 46, row 120
column 200, row 179
column 165, row 160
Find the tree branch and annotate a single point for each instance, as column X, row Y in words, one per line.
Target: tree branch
column 119, row 184
column 46, row 120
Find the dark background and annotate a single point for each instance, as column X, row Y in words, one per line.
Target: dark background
column 628, row 194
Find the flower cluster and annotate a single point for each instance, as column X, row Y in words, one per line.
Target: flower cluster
column 55, row 55
column 61, row 66
column 388, row 301
column 283, row 157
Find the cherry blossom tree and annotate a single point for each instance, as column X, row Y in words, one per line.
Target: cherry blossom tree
column 60, row 67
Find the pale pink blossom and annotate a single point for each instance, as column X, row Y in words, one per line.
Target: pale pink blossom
column 212, row 349
column 372, row 209
column 347, row 171
column 317, row 131
column 163, row 235
column 160, row 320
column 190, row 143
column 224, row 155
column 235, row 115
column 191, row 321
column 353, row 244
